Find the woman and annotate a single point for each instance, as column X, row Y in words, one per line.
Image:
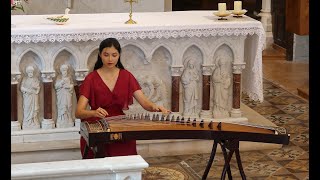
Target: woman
column 109, row 89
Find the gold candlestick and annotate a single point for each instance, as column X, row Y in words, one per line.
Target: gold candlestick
column 130, row 21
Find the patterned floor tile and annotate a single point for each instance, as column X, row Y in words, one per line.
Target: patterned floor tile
column 250, row 156
column 280, row 119
column 303, row 117
column 298, row 166
column 273, row 92
column 282, row 171
column 165, row 173
column 296, row 128
column 282, row 177
column 284, row 100
column 249, row 102
column 294, row 108
column 258, row 169
column 300, row 139
column 266, row 110
column 302, row 176
column 285, row 153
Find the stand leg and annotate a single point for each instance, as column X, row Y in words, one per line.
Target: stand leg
column 227, row 166
column 213, row 152
column 237, row 152
column 225, row 155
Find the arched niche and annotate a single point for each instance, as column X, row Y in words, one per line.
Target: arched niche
column 30, row 58
column 64, row 57
column 92, row 59
column 133, row 59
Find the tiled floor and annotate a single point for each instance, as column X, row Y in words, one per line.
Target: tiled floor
column 289, row 75
column 283, row 107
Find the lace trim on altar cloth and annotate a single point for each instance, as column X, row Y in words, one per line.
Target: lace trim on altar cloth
column 252, row 84
column 60, row 37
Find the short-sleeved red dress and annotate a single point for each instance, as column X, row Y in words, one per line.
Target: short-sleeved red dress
column 99, row 95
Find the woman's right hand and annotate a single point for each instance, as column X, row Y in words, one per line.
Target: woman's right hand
column 100, row 112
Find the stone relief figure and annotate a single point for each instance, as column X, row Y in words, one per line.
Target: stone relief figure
column 153, row 88
column 221, row 83
column 147, row 86
column 30, row 88
column 64, row 90
column 158, row 96
column 189, row 79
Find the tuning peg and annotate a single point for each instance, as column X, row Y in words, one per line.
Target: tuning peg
column 172, row 118
column 168, row 118
column 178, row 119
column 211, row 125
column 182, row 120
column 194, row 122
column 201, row 123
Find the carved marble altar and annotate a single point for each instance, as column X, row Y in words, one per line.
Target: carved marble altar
column 156, row 51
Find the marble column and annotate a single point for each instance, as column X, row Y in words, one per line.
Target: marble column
column 206, row 81
column 80, row 75
column 176, row 72
column 47, row 122
column 266, row 20
column 15, row 124
column 236, row 97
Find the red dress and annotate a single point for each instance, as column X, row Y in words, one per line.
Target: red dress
column 99, row 95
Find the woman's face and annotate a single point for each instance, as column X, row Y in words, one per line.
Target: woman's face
column 109, row 57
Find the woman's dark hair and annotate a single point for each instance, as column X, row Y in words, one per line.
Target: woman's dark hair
column 109, row 42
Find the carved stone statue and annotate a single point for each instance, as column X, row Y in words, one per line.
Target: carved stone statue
column 221, row 83
column 64, row 90
column 30, row 88
column 189, row 79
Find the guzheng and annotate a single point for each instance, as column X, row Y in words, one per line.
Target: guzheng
column 144, row 127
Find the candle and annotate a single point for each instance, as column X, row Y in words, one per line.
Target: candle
column 237, row 6
column 222, row 7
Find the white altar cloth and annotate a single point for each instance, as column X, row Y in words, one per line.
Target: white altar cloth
column 150, row 25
